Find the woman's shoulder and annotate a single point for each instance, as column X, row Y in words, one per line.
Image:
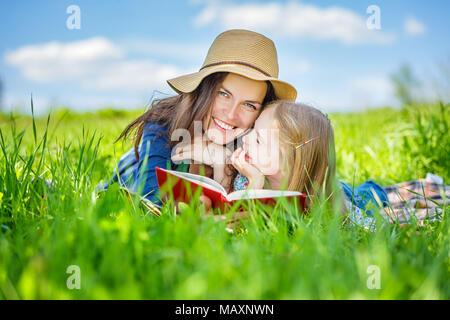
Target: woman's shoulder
column 155, row 127
column 156, row 135
column 155, row 131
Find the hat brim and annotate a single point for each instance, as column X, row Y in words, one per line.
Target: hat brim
column 190, row 82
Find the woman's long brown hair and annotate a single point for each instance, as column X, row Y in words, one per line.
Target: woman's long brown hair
column 180, row 112
column 177, row 112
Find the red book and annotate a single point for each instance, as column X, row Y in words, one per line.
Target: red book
column 183, row 186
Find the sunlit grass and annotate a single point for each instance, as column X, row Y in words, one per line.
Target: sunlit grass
column 125, row 252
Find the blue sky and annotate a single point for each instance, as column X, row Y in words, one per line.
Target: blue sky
column 125, row 50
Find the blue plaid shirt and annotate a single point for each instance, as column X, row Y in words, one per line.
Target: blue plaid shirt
column 139, row 177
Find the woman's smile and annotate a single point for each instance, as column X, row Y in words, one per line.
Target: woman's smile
column 223, row 126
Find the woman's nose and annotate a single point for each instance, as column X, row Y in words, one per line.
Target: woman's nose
column 232, row 112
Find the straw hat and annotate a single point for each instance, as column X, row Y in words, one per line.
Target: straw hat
column 243, row 52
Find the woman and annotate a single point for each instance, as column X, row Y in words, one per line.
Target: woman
column 238, row 77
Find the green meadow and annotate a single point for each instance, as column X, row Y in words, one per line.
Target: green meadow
column 124, row 252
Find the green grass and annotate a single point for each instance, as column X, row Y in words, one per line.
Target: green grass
column 125, row 253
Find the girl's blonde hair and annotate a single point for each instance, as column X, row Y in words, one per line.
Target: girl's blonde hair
column 312, row 167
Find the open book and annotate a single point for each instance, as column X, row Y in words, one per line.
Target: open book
column 183, row 185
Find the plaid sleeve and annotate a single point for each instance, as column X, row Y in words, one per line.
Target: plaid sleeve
column 420, row 200
column 125, row 170
column 417, row 200
column 139, row 176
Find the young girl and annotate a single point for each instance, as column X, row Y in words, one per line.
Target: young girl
column 292, row 148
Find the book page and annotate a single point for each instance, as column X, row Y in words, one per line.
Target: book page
column 260, row 193
column 201, row 180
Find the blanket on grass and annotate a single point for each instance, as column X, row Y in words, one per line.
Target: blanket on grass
column 421, row 200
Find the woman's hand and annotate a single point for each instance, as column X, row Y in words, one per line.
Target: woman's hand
column 254, row 176
column 203, row 151
column 207, row 153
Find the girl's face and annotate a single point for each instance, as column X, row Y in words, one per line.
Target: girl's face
column 236, row 106
column 262, row 146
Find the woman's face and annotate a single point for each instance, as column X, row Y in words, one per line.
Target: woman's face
column 236, row 106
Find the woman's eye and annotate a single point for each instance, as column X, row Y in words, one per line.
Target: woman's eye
column 223, row 93
column 250, row 106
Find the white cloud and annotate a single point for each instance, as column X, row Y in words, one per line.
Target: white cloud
column 413, row 27
column 22, row 103
column 300, row 67
column 96, row 64
column 44, row 102
column 370, row 91
column 137, row 75
column 294, row 20
column 172, row 50
column 55, row 61
column 351, row 95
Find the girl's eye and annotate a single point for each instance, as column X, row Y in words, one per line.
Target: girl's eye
column 223, row 93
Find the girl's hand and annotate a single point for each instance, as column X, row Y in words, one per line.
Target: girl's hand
column 254, row 176
column 203, row 151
